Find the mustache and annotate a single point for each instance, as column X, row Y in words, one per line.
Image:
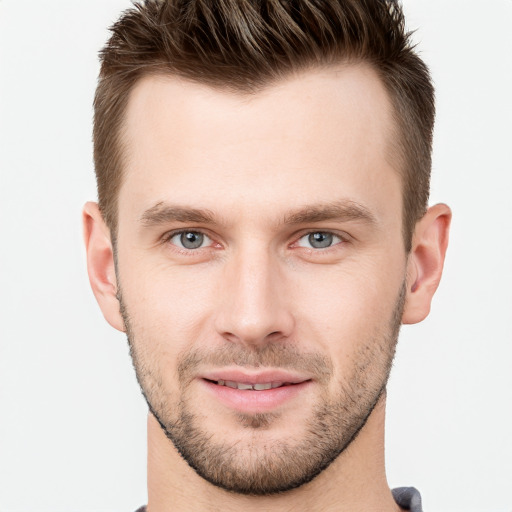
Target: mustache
column 271, row 355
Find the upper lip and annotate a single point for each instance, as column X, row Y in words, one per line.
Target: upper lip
column 255, row 377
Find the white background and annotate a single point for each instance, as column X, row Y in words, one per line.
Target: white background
column 72, row 420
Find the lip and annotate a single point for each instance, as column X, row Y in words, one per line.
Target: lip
column 252, row 401
column 256, row 377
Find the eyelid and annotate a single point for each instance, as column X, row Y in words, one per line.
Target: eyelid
column 169, row 235
column 343, row 237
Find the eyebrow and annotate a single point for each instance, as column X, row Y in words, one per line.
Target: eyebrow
column 342, row 211
column 162, row 213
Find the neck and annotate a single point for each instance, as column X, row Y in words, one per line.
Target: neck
column 354, row 482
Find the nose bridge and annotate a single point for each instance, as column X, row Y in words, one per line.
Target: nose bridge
column 253, row 306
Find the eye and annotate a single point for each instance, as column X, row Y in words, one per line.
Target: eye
column 319, row 240
column 190, row 240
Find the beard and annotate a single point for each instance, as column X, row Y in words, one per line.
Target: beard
column 257, row 463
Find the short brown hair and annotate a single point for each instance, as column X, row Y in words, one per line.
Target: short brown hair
column 245, row 45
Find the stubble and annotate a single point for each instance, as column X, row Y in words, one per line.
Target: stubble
column 258, row 463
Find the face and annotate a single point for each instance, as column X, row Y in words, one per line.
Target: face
column 261, row 269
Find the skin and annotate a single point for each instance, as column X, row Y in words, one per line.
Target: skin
column 257, row 166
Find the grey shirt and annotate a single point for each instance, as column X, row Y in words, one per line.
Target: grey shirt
column 407, row 497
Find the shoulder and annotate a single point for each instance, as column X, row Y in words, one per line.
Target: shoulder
column 408, row 498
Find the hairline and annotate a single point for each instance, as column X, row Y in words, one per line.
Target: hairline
column 394, row 153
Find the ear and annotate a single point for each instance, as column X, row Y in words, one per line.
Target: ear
column 425, row 262
column 100, row 264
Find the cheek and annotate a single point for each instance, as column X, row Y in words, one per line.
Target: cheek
column 343, row 307
column 174, row 307
column 168, row 307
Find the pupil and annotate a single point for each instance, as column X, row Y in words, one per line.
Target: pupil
column 191, row 240
column 320, row 240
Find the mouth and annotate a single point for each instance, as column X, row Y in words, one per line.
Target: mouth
column 246, row 386
column 256, row 393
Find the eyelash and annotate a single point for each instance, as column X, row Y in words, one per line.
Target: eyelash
column 166, row 239
column 339, row 237
column 343, row 239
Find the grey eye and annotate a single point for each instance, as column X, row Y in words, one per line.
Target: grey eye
column 319, row 240
column 189, row 239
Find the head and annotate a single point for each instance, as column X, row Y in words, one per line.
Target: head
column 245, row 47
column 262, row 231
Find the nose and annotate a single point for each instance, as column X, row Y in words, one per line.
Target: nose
column 253, row 305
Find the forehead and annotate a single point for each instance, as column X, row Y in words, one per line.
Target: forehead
column 316, row 137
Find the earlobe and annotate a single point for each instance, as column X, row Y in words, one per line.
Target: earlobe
column 100, row 264
column 426, row 260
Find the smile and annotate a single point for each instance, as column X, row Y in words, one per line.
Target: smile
column 256, row 393
column 251, row 387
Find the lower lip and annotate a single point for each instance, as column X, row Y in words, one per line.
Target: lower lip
column 250, row 401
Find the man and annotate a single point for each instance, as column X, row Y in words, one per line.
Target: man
column 262, row 231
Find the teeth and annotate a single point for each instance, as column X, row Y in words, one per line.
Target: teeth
column 244, row 386
column 256, row 387
column 261, row 387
